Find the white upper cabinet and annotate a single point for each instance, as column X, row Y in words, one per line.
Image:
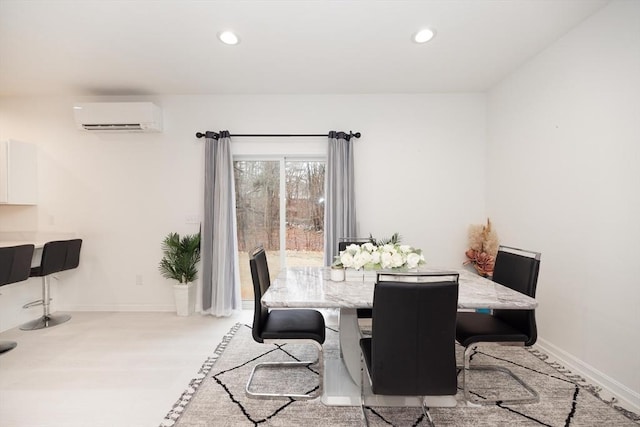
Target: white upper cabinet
column 18, row 173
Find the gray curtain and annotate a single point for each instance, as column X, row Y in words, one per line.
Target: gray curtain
column 220, row 272
column 339, row 208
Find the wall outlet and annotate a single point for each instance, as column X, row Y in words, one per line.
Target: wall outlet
column 139, row 280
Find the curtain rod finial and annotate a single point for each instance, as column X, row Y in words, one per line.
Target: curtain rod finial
column 357, row 134
column 207, row 134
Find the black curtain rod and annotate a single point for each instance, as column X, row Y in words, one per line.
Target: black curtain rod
column 215, row 135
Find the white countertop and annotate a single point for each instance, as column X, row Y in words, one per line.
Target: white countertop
column 38, row 243
column 36, row 238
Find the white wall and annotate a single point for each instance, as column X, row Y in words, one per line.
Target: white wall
column 419, row 171
column 563, row 178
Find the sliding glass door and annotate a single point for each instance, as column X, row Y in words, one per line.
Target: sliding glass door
column 279, row 205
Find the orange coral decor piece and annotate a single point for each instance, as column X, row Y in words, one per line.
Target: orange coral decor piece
column 483, row 247
column 482, row 262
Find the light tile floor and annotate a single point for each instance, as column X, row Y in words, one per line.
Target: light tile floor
column 105, row 369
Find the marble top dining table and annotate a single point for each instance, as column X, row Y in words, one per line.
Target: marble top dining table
column 311, row 287
column 300, row 287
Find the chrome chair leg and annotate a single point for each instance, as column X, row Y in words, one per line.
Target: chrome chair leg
column 47, row 319
column 319, row 361
column 427, row 414
column 533, row 395
column 364, row 411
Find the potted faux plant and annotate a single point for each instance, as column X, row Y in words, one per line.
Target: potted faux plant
column 179, row 262
column 337, row 271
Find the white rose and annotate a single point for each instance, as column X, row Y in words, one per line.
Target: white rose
column 375, row 257
column 353, row 249
column 388, row 248
column 346, row 259
column 405, row 248
column 396, row 260
column 361, row 259
column 368, row 247
column 413, row 259
column 385, row 260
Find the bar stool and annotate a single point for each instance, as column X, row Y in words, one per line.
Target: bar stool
column 57, row 256
column 15, row 266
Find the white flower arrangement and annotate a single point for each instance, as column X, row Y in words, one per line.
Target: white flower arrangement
column 373, row 257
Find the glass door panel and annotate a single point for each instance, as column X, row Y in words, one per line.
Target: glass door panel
column 258, row 216
column 280, row 205
column 304, row 213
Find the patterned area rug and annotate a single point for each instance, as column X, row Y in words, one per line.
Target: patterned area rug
column 216, row 397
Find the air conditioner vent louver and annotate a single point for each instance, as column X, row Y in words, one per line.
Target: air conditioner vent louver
column 118, row 117
column 115, row 126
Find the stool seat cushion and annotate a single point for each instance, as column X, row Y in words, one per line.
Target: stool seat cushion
column 294, row 324
column 479, row 327
column 36, row 272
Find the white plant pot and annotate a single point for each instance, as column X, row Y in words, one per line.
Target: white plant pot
column 337, row 274
column 185, row 296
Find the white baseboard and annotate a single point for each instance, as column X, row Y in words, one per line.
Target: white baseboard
column 627, row 398
column 119, row 307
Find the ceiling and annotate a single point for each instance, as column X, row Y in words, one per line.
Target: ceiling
column 148, row 47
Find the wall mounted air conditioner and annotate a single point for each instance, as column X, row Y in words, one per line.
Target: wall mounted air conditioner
column 118, row 116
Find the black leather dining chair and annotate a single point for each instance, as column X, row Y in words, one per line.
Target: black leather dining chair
column 411, row 351
column 282, row 327
column 517, row 269
column 343, row 242
column 15, row 266
column 57, row 256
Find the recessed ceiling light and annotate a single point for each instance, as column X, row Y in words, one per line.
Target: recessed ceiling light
column 423, row 35
column 227, row 37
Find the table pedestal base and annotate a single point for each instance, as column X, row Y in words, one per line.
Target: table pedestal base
column 338, row 388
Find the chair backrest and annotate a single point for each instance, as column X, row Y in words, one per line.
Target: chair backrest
column 15, row 263
column 413, row 335
column 261, row 282
column 343, row 242
column 518, row 269
column 73, row 254
column 60, row 255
